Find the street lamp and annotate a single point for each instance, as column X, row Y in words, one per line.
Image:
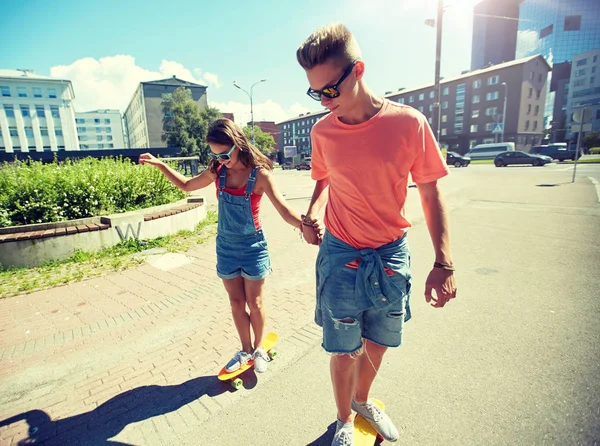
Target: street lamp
column 504, row 111
column 235, row 84
column 438, row 53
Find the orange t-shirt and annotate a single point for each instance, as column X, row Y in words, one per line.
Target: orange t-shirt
column 368, row 166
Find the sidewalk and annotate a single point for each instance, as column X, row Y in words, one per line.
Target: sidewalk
column 94, row 349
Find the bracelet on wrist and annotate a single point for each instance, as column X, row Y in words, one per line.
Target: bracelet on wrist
column 444, row 266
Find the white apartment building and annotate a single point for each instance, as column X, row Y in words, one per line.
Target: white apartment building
column 36, row 113
column 584, row 90
column 100, row 129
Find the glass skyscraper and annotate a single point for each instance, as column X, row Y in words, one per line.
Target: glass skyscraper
column 558, row 29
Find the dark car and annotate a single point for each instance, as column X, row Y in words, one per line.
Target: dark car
column 508, row 158
column 303, row 166
column 456, row 160
column 557, row 151
column 287, row 166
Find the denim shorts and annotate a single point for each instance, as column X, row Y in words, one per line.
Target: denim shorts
column 246, row 256
column 348, row 318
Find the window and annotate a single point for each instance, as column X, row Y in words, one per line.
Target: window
column 492, row 96
column 80, row 121
column 444, row 118
column 13, row 131
column 528, row 108
column 493, row 80
column 444, row 132
column 579, row 83
column 531, row 74
column 5, row 91
column 9, row 110
column 430, row 107
column 545, row 32
column 58, row 131
column 473, row 128
column 400, row 100
column 491, row 111
column 527, row 125
column 446, row 91
column 477, row 83
column 54, row 111
column 572, row 23
column 593, row 69
column 98, row 129
column 530, row 92
column 540, row 77
column 107, row 121
column 537, row 110
column 21, row 92
column 595, row 58
column 421, row 108
column 39, row 111
column 84, row 146
column 582, row 62
column 96, row 121
column 539, row 92
column 110, row 146
column 81, row 129
column 411, row 99
column 100, row 146
column 99, row 138
column 592, row 80
column 52, row 93
column 109, row 130
column 109, row 138
column 431, row 94
column 535, row 124
column 580, row 72
column 476, row 99
column 489, row 127
column 421, row 96
column 37, row 92
column 474, row 114
column 29, row 132
column 445, row 105
column 25, row 111
column 44, row 131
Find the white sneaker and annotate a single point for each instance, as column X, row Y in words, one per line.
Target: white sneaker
column 344, row 434
column 239, row 359
column 261, row 360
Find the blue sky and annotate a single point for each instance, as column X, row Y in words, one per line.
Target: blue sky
column 218, row 42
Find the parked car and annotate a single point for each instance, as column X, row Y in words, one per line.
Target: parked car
column 287, row 166
column 558, row 151
column 303, row 166
column 457, row 160
column 509, row 158
column 489, row 151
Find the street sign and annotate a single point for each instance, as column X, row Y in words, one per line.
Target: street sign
column 497, row 130
column 289, row 151
column 577, row 128
column 583, row 115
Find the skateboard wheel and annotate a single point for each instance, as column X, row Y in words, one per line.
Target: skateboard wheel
column 272, row 354
column 237, row 383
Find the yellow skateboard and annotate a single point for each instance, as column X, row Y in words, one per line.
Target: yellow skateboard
column 268, row 343
column 364, row 433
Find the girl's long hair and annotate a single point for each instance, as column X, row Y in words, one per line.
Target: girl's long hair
column 225, row 131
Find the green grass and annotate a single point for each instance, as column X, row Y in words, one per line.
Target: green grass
column 585, row 161
column 482, row 162
column 84, row 265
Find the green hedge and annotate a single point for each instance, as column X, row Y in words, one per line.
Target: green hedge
column 33, row 192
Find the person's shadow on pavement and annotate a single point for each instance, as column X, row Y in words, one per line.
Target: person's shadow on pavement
column 107, row 420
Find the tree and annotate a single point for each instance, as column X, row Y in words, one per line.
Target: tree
column 185, row 125
column 592, row 140
column 262, row 140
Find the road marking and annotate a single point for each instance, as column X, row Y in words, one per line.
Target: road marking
column 597, row 185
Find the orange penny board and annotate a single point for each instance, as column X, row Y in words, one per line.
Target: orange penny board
column 268, row 343
column 364, row 433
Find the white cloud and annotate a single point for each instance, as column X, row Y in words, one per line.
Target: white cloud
column 212, row 79
column 266, row 111
column 111, row 81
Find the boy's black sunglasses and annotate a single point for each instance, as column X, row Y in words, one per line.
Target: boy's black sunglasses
column 331, row 91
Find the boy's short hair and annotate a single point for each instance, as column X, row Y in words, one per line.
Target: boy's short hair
column 332, row 42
